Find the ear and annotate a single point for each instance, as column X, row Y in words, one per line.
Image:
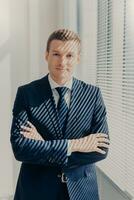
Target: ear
column 46, row 55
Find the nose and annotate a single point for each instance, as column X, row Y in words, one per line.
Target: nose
column 63, row 61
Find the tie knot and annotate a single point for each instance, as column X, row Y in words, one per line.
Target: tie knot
column 62, row 91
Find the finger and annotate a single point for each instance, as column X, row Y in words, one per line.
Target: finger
column 102, row 135
column 104, row 140
column 100, row 151
column 31, row 125
column 26, row 128
column 103, row 145
column 26, row 134
column 31, row 135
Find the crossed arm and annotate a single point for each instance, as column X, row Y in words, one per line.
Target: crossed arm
column 29, row 146
column 90, row 143
column 88, row 146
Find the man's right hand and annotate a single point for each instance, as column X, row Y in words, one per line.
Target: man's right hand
column 90, row 143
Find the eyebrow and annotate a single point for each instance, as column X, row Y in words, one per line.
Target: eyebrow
column 55, row 50
column 59, row 52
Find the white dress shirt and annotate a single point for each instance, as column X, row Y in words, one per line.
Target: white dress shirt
column 67, row 96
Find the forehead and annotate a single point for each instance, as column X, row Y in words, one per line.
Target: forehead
column 64, row 46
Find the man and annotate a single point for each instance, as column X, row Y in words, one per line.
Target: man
column 59, row 129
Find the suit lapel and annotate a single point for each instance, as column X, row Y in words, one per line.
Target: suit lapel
column 53, row 122
column 77, row 101
column 76, row 95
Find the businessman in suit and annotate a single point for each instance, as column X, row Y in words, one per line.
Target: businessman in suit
column 59, row 129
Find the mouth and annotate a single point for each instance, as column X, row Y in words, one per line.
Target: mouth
column 60, row 69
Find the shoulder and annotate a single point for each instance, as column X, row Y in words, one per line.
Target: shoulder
column 33, row 90
column 86, row 86
column 29, row 94
column 33, row 84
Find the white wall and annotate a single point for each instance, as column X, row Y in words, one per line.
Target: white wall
column 24, row 26
column 6, row 168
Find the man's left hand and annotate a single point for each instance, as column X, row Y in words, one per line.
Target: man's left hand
column 31, row 132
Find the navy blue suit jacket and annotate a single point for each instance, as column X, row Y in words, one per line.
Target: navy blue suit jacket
column 42, row 160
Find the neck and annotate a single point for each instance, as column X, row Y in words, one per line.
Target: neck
column 60, row 81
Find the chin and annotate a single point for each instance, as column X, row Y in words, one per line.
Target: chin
column 62, row 74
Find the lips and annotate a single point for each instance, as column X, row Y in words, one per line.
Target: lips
column 61, row 69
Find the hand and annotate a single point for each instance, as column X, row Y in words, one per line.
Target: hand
column 90, row 143
column 31, row 132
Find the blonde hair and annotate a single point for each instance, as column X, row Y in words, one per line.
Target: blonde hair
column 63, row 35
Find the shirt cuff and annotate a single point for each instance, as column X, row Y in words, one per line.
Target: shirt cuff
column 69, row 149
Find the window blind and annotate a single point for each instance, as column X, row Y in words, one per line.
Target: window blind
column 115, row 77
column 128, row 91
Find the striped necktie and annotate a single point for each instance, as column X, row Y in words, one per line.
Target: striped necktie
column 62, row 106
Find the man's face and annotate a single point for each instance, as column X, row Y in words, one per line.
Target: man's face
column 62, row 58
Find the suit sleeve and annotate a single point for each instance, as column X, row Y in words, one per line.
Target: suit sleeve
column 51, row 152
column 99, row 125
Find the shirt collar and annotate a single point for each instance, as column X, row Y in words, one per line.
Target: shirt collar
column 53, row 84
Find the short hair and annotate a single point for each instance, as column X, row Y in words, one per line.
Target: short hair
column 63, row 35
